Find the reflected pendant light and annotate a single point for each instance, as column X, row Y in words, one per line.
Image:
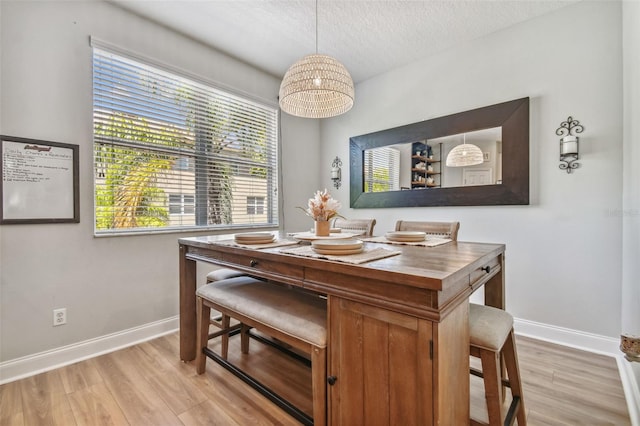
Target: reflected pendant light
column 465, row 154
column 316, row 86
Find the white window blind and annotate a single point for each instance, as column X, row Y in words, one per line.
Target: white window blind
column 174, row 153
column 381, row 170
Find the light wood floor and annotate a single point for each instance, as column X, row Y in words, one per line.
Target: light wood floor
column 147, row 385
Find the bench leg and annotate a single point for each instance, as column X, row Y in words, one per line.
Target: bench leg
column 319, row 385
column 203, row 316
column 224, row 325
column 244, row 338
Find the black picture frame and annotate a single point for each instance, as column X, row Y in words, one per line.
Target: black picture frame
column 40, row 181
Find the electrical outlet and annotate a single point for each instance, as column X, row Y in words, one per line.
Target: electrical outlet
column 59, row 316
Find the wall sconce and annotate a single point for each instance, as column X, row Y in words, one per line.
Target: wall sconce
column 336, row 172
column 569, row 144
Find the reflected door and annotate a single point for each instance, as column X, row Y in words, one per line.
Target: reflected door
column 472, row 177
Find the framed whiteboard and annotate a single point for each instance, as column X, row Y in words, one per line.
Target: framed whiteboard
column 40, row 182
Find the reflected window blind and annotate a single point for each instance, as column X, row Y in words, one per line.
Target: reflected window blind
column 381, row 170
column 174, row 153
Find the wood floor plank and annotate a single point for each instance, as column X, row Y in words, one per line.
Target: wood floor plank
column 45, row 401
column 147, row 384
column 208, row 413
column 138, row 400
column 241, row 402
column 11, row 405
column 80, row 375
column 170, row 384
column 96, row 406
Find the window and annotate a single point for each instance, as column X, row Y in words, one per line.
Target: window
column 255, row 205
column 381, row 170
column 174, row 153
column 181, row 204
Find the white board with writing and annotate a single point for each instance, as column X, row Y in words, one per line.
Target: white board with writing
column 39, row 181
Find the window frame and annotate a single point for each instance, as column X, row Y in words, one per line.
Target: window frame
column 271, row 197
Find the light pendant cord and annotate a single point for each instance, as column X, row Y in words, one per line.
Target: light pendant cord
column 316, row 27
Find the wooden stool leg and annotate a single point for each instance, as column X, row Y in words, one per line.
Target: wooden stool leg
column 319, row 385
column 224, row 325
column 244, row 339
column 492, row 385
column 203, row 313
column 513, row 372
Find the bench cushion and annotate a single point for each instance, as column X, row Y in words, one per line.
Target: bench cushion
column 223, row 274
column 291, row 311
column 488, row 326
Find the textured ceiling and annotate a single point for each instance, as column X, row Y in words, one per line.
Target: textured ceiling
column 368, row 36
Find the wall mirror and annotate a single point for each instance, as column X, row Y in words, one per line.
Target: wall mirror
column 406, row 166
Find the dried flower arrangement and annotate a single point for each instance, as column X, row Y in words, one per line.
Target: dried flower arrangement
column 322, row 207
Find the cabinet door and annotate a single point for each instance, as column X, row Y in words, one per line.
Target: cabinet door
column 381, row 364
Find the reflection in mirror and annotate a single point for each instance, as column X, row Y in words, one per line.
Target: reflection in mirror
column 422, row 165
column 406, row 166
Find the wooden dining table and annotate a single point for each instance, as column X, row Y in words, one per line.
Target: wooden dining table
column 398, row 335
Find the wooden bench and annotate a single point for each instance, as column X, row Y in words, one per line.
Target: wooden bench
column 292, row 316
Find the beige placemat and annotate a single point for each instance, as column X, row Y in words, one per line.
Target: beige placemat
column 429, row 242
column 366, row 256
column 276, row 243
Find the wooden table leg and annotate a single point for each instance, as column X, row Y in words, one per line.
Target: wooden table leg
column 494, row 288
column 187, row 307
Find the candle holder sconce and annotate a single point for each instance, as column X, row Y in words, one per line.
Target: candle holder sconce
column 569, row 144
column 336, row 172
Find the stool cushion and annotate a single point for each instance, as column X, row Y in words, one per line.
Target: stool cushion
column 291, row 311
column 488, row 326
column 223, row 274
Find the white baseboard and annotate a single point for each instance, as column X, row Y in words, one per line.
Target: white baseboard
column 631, row 389
column 30, row 365
column 568, row 337
column 593, row 343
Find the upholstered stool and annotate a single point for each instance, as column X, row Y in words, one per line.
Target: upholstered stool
column 491, row 335
column 292, row 316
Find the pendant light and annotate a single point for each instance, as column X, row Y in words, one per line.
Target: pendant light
column 316, row 86
column 465, row 154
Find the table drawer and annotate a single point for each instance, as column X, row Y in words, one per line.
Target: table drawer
column 482, row 274
column 266, row 266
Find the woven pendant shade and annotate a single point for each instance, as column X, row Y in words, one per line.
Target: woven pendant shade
column 463, row 155
column 317, row 86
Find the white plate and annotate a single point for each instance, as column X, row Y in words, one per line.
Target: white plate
column 266, row 237
column 254, row 238
column 255, row 242
column 310, row 236
column 338, row 252
column 254, row 235
column 405, row 236
column 347, row 244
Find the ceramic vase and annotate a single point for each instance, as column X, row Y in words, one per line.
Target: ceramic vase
column 322, row 228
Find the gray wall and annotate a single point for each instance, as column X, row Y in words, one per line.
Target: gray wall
column 106, row 284
column 631, row 194
column 564, row 251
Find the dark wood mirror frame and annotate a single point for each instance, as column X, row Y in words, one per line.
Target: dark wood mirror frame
column 512, row 116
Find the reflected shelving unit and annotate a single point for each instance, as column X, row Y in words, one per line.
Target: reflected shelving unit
column 426, row 163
